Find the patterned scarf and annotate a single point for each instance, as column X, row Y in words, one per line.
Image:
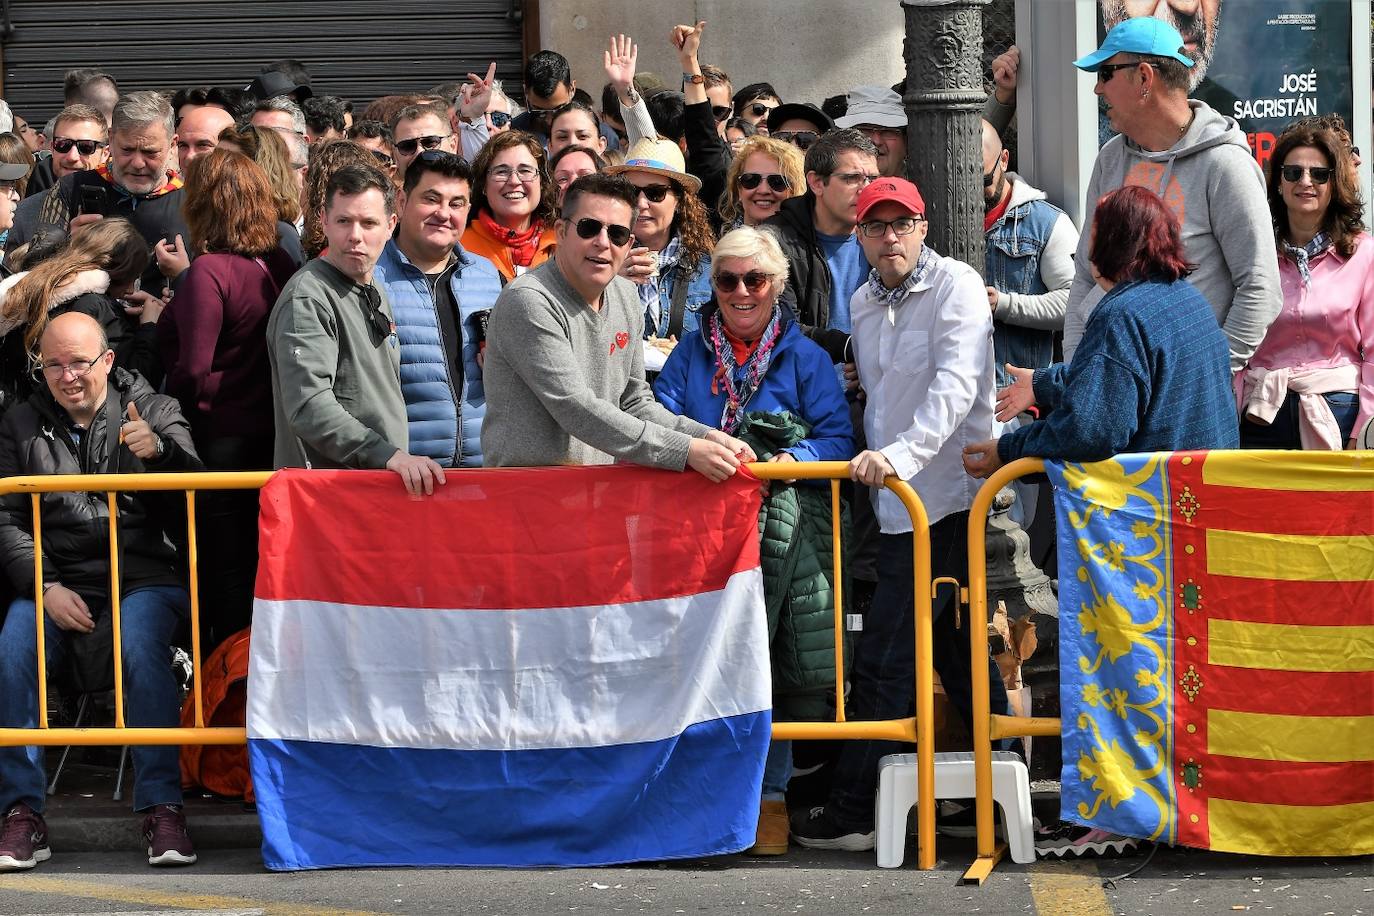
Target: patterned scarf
column 173, row 183
column 1301, row 256
column 523, row 245
column 650, row 291
column 741, row 381
column 893, row 297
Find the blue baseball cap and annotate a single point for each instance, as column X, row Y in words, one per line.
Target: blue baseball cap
column 1141, row 35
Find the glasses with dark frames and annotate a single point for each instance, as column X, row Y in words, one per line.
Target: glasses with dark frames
column 721, row 112
column 655, row 192
column 801, row 139
column 589, row 228
column 876, row 228
column 753, row 281
column 428, row 142
column 1105, row 72
column 84, row 147
column 498, row 118
column 751, row 180
column 1293, row 173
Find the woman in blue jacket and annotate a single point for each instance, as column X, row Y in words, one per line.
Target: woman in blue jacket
column 749, row 356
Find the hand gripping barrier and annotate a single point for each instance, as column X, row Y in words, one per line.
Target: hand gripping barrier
column 918, row 729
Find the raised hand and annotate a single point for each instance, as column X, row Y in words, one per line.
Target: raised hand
column 619, row 60
column 476, row 95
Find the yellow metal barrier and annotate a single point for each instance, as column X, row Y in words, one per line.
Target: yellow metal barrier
column 918, row 729
column 987, row 727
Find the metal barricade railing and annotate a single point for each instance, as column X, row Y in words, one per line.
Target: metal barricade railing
column 987, row 727
column 918, row 728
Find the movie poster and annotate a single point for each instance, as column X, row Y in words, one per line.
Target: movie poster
column 1265, row 63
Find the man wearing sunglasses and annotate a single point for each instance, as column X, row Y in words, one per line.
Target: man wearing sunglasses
column 1198, row 161
column 80, row 141
column 417, row 129
column 564, row 369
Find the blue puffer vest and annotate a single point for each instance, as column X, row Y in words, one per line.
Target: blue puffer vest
column 699, row 293
column 1013, row 266
column 444, row 424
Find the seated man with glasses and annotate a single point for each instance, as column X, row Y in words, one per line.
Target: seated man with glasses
column 923, row 347
column 92, row 418
column 564, row 370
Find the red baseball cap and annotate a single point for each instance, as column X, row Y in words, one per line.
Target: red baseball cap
column 897, row 190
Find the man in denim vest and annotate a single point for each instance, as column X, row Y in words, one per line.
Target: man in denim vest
column 1030, row 246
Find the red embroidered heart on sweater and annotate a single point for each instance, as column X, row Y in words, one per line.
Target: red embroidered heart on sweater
column 622, row 340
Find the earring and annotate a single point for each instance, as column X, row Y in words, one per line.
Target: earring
column 1144, row 93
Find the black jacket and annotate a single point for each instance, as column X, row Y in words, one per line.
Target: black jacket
column 37, row 438
column 808, row 275
column 708, row 156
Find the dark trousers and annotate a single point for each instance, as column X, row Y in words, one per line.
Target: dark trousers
column 1283, row 432
column 883, row 674
column 227, row 534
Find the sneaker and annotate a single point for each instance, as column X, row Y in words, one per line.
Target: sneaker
column 23, row 839
column 164, row 829
column 817, row 830
column 1064, row 839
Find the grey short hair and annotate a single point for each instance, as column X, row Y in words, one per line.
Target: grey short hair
column 284, row 103
column 6, row 118
column 139, row 109
column 759, row 244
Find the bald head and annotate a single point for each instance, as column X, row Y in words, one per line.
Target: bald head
column 995, row 159
column 198, row 132
column 73, row 329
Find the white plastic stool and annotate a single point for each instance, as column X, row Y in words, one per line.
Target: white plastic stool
column 953, row 779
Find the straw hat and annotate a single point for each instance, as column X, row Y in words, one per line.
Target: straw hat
column 658, row 157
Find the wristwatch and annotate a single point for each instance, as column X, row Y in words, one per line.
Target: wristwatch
column 694, row 78
column 160, row 447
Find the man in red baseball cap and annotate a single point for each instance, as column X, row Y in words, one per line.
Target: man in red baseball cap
column 922, row 340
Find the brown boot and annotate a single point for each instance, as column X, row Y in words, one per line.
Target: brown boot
column 771, row 837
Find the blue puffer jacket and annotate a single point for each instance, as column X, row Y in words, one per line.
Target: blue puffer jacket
column 800, row 379
column 444, row 414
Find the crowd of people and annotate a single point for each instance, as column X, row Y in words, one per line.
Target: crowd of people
column 689, row 278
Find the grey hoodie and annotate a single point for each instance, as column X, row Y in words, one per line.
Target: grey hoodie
column 1212, row 179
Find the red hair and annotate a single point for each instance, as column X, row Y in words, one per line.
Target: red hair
column 1136, row 237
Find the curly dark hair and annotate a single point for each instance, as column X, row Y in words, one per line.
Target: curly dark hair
column 1344, row 218
column 693, row 227
column 481, row 165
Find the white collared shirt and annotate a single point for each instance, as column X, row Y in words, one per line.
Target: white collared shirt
column 926, row 366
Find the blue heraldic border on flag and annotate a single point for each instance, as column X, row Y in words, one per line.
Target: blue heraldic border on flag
column 1116, row 644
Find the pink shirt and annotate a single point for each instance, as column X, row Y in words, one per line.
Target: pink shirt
column 1330, row 324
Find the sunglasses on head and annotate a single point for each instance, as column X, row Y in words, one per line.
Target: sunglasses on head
column 84, row 147
column 751, row 180
column 589, row 228
column 801, row 139
column 753, row 281
column 1293, row 173
column 430, row 142
column 654, row 192
column 498, row 118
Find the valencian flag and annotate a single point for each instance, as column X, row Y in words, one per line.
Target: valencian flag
column 1217, row 649
column 562, row 666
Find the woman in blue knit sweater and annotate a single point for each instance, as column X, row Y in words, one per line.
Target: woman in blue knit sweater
column 1151, row 373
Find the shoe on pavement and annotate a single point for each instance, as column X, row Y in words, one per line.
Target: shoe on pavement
column 164, row 829
column 23, row 839
column 1063, row 840
column 960, row 819
column 771, row 837
column 816, row 829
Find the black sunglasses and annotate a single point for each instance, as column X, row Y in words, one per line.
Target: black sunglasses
column 655, row 192
column 410, row 146
column 989, row 177
column 383, row 159
column 751, row 180
column 801, row 139
column 759, row 109
column 753, row 281
column 1105, row 72
column 498, row 118
column 721, row 111
column 84, row 147
column 1293, row 173
column 589, row 228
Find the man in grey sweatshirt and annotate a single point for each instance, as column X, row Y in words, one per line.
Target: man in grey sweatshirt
column 1199, row 163
column 564, row 372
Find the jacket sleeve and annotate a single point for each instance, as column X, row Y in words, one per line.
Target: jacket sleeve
column 1048, row 385
column 164, row 415
column 1243, row 228
column 1083, row 292
column 199, row 309
column 708, row 157
column 827, row 413
column 638, row 124
column 1045, row 311
column 670, row 388
column 306, row 352
column 16, row 519
column 638, row 400
column 960, row 354
column 1097, row 417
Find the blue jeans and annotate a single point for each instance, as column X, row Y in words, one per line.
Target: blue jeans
column 1283, row 432
column 777, row 770
column 149, row 618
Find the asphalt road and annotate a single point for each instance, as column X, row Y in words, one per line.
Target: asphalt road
column 234, row 882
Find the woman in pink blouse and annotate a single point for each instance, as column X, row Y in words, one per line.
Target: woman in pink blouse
column 1309, row 385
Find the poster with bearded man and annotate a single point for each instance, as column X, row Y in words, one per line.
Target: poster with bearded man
column 1265, row 63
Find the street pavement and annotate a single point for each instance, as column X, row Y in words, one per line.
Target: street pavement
column 803, row 882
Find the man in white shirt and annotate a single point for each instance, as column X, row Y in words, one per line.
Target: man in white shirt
column 922, row 340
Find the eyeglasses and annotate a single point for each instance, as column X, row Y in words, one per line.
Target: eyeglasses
column 589, row 228
column 498, row 118
column 801, row 139
column 753, row 281
column 84, row 147
column 862, row 179
column 874, row 132
column 989, row 177
column 655, row 192
column 78, row 368
column 722, row 112
column 876, row 228
column 383, row 159
column 1105, row 72
column 751, row 180
column 502, row 173
column 1293, row 173
column 429, row 142
column 10, row 187
column 759, row 109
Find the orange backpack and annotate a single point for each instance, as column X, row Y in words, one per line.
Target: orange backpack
column 222, row 769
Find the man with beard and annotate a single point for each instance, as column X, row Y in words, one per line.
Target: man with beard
column 1030, row 246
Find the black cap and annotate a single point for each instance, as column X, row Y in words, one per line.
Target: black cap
column 269, row 84
column 804, row 110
